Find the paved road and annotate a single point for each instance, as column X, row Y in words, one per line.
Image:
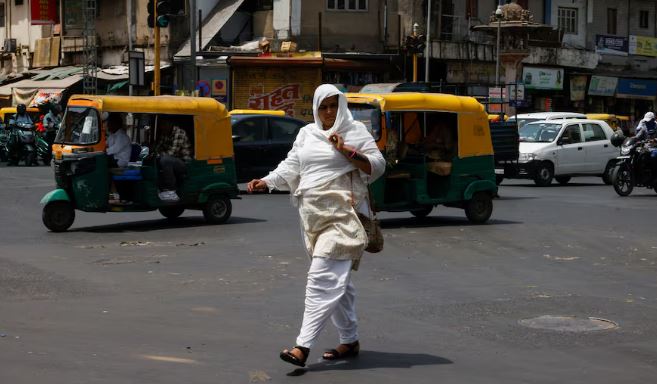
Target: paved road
column 132, row 298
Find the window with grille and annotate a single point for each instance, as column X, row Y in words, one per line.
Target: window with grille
column 346, row 5
column 567, row 20
column 612, row 19
column 643, row 19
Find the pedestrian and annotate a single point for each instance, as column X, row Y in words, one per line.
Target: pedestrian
column 326, row 172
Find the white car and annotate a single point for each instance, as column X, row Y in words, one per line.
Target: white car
column 526, row 118
column 561, row 149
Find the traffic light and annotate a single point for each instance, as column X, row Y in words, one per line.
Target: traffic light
column 415, row 43
column 163, row 12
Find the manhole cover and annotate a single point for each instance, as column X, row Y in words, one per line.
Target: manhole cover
column 568, row 323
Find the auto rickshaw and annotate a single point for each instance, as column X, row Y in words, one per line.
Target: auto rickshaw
column 273, row 112
column 81, row 164
column 608, row 118
column 438, row 151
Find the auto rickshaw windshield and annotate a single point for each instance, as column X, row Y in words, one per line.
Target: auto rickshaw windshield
column 368, row 115
column 80, row 126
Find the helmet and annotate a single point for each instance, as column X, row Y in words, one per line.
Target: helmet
column 617, row 138
column 649, row 116
column 20, row 109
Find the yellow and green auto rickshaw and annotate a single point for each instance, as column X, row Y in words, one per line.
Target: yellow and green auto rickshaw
column 438, row 151
column 84, row 178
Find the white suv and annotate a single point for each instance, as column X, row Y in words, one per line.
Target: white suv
column 561, row 149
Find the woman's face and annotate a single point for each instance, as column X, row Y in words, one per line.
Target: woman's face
column 328, row 110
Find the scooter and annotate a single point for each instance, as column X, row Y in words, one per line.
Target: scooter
column 22, row 144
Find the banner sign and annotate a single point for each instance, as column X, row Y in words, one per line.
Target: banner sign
column 637, row 89
column 611, row 45
column 542, row 78
column 74, row 15
column 643, row 45
column 603, row 86
column 44, row 12
column 578, row 88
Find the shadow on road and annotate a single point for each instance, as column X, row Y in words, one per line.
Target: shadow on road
column 440, row 221
column 374, row 359
column 556, row 185
column 153, row 225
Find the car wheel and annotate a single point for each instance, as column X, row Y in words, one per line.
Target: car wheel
column 563, row 180
column 606, row 176
column 422, row 212
column 622, row 180
column 171, row 212
column 217, row 210
column 479, row 208
column 544, row 175
column 58, row 216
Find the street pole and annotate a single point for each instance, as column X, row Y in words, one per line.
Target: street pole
column 498, row 14
column 427, row 52
column 192, row 41
column 156, row 52
column 415, row 27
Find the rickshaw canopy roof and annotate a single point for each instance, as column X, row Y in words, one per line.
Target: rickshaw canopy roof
column 416, row 101
column 473, row 130
column 212, row 129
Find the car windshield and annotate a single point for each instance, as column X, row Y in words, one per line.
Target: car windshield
column 79, row 126
column 539, row 132
column 524, row 121
column 368, row 115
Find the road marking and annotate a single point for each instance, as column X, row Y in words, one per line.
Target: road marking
column 169, row 359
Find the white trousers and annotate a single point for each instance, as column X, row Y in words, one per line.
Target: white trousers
column 329, row 294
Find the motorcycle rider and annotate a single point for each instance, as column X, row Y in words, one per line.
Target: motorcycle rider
column 647, row 127
column 21, row 116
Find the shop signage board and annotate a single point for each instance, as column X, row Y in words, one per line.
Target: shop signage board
column 542, row 78
column 578, row 88
column 637, row 89
column 603, row 86
column 44, row 12
column 643, row 45
column 516, row 92
column 260, row 87
column 611, row 45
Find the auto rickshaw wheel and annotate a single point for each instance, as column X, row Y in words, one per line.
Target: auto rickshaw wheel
column 544, row 174
column 171, row 212
column 479, row 208
column 422, row 212
column 58, row 216
column 217, row 210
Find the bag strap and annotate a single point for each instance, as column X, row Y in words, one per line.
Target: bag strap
column 369, row 195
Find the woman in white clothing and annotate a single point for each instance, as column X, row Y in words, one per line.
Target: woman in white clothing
column 326, row 172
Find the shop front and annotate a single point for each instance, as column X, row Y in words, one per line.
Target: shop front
column 635, row 97
column 544, row 90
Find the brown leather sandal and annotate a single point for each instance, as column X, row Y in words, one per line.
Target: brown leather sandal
column 287, row 356
column 351, row 351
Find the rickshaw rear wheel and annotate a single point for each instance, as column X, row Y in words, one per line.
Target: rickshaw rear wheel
column 422, row 212
column 171, row 212
column 479, row 209
column 217, row 210
column 58, row 216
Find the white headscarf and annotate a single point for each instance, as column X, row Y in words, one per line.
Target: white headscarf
column 314, row 160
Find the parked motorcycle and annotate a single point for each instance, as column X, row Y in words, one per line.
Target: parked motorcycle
column 22, row 144
column 636, row 166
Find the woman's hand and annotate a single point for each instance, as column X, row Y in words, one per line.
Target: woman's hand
column 337, row 141
column 256, row 185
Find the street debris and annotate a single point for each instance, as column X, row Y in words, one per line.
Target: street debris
column 258, row 377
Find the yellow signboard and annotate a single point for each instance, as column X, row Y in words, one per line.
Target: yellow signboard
column 287, row 89
column 643, row 45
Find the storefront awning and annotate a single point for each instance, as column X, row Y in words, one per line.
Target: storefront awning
column 271, row 61
column 212, row 25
